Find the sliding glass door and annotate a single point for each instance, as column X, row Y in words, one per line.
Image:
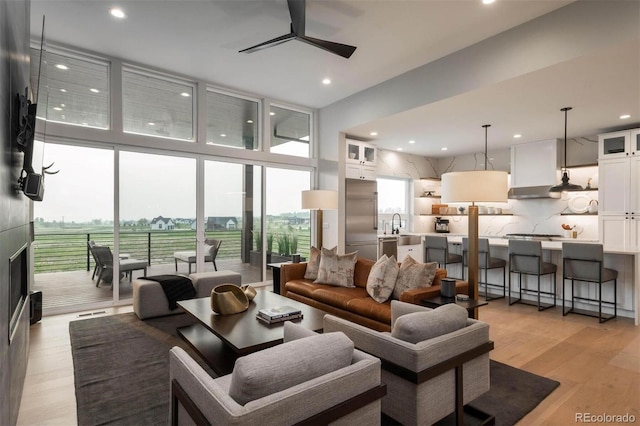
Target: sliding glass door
column 287, row 225
column 77, row 208
column 232, row 200
column 157, row 215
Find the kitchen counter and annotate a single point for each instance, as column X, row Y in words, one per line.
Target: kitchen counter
column 626, row 262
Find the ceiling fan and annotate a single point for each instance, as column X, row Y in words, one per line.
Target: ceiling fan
column 297, row 12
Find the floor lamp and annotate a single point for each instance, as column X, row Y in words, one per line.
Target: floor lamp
column 319, row 200
column 487, row 186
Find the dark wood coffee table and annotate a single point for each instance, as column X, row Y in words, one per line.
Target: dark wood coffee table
column 221, row 339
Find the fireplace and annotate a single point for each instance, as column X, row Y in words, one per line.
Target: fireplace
column 18, row 288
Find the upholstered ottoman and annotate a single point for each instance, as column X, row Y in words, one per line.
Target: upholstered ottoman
column 149, row 300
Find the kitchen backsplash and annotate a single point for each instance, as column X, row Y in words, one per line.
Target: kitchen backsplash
column 544, row 216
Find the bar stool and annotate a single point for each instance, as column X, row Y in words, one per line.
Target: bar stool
column 585, row 263
column 525, row 258
column 437, row 250
column 486, row 262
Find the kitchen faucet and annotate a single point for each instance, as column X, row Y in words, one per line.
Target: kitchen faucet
column 395, row 230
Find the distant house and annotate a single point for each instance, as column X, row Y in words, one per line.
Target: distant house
column 294, row 220
column 221, row 223
column 162, row 224
column 183, row 221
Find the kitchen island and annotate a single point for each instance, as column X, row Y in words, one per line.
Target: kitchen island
column 626, row 262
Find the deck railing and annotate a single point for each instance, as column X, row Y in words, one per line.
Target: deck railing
column 68, row 251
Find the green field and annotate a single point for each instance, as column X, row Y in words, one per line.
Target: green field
column 57, row 249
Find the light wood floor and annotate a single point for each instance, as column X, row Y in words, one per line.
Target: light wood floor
column 598, row 365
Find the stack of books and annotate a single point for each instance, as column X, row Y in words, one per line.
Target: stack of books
column 278, row 314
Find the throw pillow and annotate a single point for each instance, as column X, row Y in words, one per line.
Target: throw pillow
column 382, row 278
column 313, row 264
column 420, row 326
column 263, row 373
column 336, row 269
column 413, row 274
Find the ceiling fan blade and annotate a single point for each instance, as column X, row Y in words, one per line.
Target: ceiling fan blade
column 273, row 42
column 340, row 49
column 297, row 11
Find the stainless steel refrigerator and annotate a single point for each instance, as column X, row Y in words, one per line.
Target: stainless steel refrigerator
column 362, row 218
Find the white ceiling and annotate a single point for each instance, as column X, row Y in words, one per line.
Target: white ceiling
column 201, row 39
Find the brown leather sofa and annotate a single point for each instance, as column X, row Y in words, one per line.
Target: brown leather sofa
column 353, row 304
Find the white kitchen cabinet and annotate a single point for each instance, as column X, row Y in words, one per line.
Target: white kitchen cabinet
column 621, row 144
column 620, row 232
column 361, row 153
column 619, row 186
column 534, row 164
column 619, row 202
column 361, row 160
column 415, row 250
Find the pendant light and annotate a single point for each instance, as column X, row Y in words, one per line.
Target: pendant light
column 486, row 159
column 565, row 185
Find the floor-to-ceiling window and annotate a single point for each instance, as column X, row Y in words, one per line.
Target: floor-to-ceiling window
column 188, row 163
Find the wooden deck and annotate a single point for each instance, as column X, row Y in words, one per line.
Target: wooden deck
column 68, row 291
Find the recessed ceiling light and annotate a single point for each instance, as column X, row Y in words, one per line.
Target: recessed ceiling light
column 487, row 1
column 412, row 141
column 373, row 133
column 624, row 116
column 95, row 90
column 62, row 67
column 62, row 105
column 151, row 123
column 57, row 108
column 517, row 135
column 185, row 94
column 272, row 113
column 250, row 121
column 63, row 90
column 116, row 12
column 326, row 81
column 399, row 149
column 444, row 148
column 223, row 135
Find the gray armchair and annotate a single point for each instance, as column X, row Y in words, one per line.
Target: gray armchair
column 431, row 379
column 276, row 386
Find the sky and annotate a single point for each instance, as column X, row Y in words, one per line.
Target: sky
column 151, row 185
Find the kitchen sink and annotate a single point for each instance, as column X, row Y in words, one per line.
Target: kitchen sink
column 409, row 240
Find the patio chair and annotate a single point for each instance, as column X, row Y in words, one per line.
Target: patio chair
column 212, row 246
column 96, row 268
column 105, row 258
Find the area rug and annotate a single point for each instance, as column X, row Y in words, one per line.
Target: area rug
column 121, row 367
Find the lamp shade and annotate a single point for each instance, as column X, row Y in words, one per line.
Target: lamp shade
column 475, row 186
column 319, row 199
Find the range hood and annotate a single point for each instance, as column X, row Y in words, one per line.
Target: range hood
column 532, row 192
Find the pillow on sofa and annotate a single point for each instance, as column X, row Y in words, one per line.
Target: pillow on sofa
column 337, row 269
column 263, row 373
column 314, row 263
column 413, row 274
column 382, row 278
column 419, row 326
